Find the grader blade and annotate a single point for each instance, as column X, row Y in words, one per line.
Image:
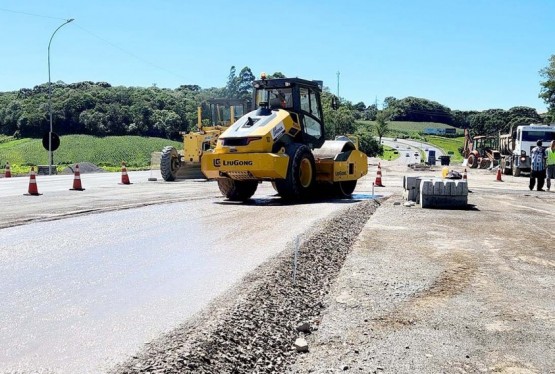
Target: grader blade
column 189, row 171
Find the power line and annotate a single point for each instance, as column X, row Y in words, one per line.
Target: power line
column 131, row 53
column 31, row 14
column 100, row 38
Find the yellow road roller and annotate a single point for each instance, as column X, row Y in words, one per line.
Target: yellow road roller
column 283, row 141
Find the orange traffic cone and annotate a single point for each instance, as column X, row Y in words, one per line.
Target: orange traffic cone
column 378, row 182
column 8, row 173
column 464, row 175
column 124, row 176
column 33, row 190
column 498, row 178
column 77, row 180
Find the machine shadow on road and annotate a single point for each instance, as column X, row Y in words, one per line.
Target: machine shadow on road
column 278, row 201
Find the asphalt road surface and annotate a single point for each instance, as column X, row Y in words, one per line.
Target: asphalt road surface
column 81, row 293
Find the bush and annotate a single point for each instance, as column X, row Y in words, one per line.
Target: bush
column 367, row 143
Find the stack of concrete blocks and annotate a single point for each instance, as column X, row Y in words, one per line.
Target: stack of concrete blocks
column 411, row 187
column 436, row 193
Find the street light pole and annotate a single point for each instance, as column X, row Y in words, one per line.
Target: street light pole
column 50, row 158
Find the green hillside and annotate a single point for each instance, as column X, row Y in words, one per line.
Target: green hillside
column 106, row 152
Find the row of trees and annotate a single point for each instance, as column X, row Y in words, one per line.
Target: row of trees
column 415, row 109
column 101, row 109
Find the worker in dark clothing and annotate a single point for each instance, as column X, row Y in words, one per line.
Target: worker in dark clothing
column 537, row 167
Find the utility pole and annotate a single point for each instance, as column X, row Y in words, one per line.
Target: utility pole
column 338, row 84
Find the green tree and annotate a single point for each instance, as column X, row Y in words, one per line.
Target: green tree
column 244, row 86
column 231, row 88
column 418, row 110
column 367, row 142
column 339, row 122
column 489, row 121
column 277, row 75
column 547, row 92
column 389, row 102
column 382, row 124
column 166, row 122
column 370, row 112
column 521, row 115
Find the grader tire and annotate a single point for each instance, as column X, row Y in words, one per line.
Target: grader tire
column 235, row 190
column 344, row 189
column 301, row 173
column 169, row 163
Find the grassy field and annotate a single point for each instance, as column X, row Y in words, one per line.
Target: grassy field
column 409, row 129
column 107, row 152
column 448, row 145
column 389, row 153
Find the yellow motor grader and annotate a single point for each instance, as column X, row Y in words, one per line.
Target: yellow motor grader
column 283, row 142
column 185, row 164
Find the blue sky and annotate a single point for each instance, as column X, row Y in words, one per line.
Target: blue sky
column 466, row 54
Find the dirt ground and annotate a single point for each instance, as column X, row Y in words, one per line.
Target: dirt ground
column 445, row 291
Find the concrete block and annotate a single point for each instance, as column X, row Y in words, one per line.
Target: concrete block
column 459, row 188
column 439, row 188
column 447, row 189
column 446, row 202
column 410, row 195
column 411, row 187
column 447, row 193
column 410, row 183
column 426, row 187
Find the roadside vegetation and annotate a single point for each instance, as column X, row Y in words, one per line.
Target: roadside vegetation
column 451, row 146
column 389, row 153
column 407, row 129
column 106, row 152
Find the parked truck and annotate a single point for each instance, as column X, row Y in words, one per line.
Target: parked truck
column 515, row 147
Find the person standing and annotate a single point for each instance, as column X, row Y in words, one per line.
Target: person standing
column 550, row 164
column 537, row 167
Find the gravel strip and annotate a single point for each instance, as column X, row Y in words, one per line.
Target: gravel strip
column 253, row 328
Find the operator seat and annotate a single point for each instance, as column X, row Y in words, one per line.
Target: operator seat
column 275, row 103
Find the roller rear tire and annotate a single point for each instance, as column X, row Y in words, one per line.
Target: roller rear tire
column 344, row 189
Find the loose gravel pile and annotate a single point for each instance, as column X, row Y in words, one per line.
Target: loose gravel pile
column 254, row 328
column 84, row 167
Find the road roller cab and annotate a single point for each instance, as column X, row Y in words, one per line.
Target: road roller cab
column 283, row 141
